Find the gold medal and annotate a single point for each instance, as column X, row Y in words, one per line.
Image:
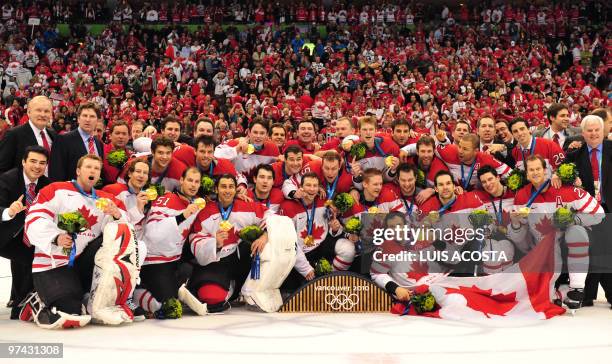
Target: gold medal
column 151, row 193
column 200, row 202
column 502, row 229
column 389, row 161
column 524, row 211
column 434, row 216
column 225, row 225
column 309, row 241
column 329, row 203
column 250, row 149
column 373, row 210
column 101, row 203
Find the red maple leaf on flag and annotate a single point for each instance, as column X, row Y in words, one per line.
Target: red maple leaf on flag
column 375, row 223
column 91, row 219
column 418, row 270
column 545, row 226
column 317, row 232
column 483, row 301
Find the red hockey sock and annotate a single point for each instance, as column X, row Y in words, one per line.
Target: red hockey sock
column 212, row 294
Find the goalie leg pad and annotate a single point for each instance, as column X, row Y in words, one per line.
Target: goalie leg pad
column 577, row 241
column 345, row 253
column 114, row 276
column 276, row 262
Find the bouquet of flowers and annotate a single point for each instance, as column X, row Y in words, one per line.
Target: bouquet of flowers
column 343, row 202
column 208, row 185
column 323, row 267
column 117, row 158
column 564, row 217
column 423, row 300
column 516, row 180
column 353, row 226
column 358, row 151
column 480, row 218
column 567, row 173
column 421, row 179
column 72, row 223
column 248, row 235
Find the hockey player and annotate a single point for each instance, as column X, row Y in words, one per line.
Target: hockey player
column 132, row 193
column 163, row 168
column 464, row 160
column 61, row 279
column 406, row 190
column 333, row 178
column 290, row 167
column 216, row 167
column 498, row 200
column 528, row 145
column 247, row 153
column 262, row 191
column 166, row 228
column 542, row 200
column 378, row 147
column 318, row 233
column 223, row 260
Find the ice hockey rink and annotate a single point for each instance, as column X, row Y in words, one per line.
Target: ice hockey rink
column 249, row 337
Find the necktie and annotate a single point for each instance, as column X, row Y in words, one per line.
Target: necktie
column 485, row 148
column 30, row 194
column 90, row 146
column 44, row 141
column 556, row 139
column 595, row 164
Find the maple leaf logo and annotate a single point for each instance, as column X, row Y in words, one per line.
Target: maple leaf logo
column 483, row 301
column 91, row 219
column 317, row 232
column 418, row 270
column 545, row 226
column 184, row 233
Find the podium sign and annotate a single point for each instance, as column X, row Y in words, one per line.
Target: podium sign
column 338, row 292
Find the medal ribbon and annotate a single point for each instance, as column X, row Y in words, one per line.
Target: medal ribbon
column 466, row 182
column 447, row 206
column 310, row 217
column 93, row 196
column 535, row 194
column 225, row 213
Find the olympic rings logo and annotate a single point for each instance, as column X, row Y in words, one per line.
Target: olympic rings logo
column 341, row 301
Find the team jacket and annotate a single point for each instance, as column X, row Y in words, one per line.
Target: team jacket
column 375, row 157
column 169, row 178
column 246, row 163
column 163, row 234
column 203, row 242
column 320, row 229
column 223, row 166
column 450, row 156
column 41, row 222
column 547, row 149
column 344, row 184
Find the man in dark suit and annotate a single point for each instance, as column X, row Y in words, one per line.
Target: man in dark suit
column 34, row 132
column 68, row 148
column 18, row 189
column 594, row 163
column 559, row 130
column 489, row 143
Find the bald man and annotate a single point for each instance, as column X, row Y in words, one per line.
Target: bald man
column 35, row 132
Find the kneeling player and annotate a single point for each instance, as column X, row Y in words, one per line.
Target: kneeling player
column 223, row 259
column 64, row 263
column 318, row 233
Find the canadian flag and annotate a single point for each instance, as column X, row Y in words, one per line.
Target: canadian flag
column 522, row 291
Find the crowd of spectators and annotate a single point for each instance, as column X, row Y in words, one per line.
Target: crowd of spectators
column 432, row 66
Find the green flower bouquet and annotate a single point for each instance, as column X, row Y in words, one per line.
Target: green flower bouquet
column 117, row 158
column 323, row 267
column 72, row 223
column 516, row 180
column 480, row 218
column 343, row 202
column 358, row 150
column 421, row 179
column 423, row 300
column 567, row 173
column 564, row 217
column 250, row 233
column 353, row 226
column 208, row 185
